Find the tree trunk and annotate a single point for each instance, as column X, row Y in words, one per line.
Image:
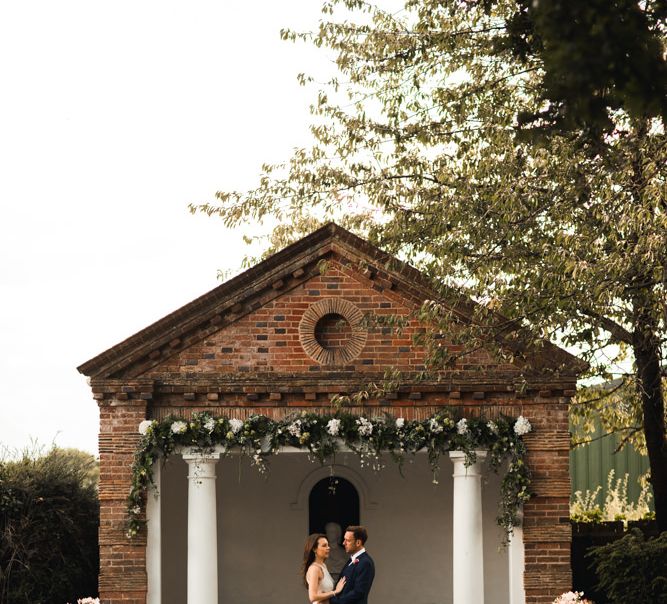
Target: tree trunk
column 646, row 347
column 647, row 357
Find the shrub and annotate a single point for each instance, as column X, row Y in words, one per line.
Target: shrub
column 632, row 569
column 49, row 516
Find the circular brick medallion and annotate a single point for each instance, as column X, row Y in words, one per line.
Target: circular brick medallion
column 331, row 331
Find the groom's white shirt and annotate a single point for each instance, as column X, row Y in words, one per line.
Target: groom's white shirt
column 353, row 557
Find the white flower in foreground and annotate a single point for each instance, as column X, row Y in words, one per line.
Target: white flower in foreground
column 571, row 597
column 179, row 427
column 522, row 426
column 435, row 426
column 492, row 426
column 209, row 424
column 333, row 427
column 235, row 425
column 400, row 422
column 462, row 426
column 365, row 428
column 145, row 426
column 295, row 428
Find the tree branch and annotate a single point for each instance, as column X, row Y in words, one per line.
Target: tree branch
column 618, row 332
column 604, row 395
column 633, row 430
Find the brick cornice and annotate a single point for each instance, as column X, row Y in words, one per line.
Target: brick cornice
column 445, row 381
column 122, row 390
column 288, row 389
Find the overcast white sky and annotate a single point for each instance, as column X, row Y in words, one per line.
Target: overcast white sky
column 113, row 116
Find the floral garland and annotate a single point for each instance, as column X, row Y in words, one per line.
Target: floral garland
column 324, row 435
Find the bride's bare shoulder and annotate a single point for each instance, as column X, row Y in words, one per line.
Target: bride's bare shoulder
column 314, row 570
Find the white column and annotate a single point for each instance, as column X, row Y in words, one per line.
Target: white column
column 154, row 538
column 468, row 542
column 516, row 566
column 202, row 528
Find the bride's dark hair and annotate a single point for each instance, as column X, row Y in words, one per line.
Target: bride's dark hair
column 309, row 554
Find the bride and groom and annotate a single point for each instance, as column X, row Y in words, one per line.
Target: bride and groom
column 356, row 577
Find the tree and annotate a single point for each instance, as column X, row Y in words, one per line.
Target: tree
column 596, row 56
column 417, row 145
column 49, row 517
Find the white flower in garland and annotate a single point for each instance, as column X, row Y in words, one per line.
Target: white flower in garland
column 209, row 425
column 400, row 422
column 235, row 425
column 462, row 426
column 295, row 428
column 492, row 426
column 365, row 427
column 179, row 427
column 522, row 426
column 333, row 427
column 435, row 426
column 145, row 426
column 258, row 462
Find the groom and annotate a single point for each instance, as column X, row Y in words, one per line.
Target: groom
column 359, row 570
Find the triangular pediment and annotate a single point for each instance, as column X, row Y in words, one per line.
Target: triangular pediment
column 331, row 257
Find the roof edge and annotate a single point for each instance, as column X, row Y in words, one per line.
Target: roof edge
column 309, row 246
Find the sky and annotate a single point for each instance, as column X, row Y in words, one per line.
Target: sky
column 113, row 117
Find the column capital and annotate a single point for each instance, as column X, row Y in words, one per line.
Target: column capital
column 201, row 465
column 193, row 455
column 458, row 458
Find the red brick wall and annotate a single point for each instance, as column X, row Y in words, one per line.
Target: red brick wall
column 122, row 561
column 267, row 341
column 546, row 528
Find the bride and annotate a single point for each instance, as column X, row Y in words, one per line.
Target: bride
column 316, row 576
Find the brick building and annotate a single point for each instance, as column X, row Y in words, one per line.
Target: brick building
column 285, row 336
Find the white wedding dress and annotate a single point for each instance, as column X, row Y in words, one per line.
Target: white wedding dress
column 327, row 582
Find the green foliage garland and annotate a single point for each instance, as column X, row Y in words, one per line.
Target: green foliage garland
column 325, row 435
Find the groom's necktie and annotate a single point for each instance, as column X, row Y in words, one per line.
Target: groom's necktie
column 349, row 562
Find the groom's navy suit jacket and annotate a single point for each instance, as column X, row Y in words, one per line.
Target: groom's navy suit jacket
column 359, row 578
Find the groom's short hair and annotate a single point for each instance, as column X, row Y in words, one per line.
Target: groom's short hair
column 360, row 533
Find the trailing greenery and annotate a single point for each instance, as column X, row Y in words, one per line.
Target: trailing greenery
column 632, row 569
column 49, row 518
column 324, row 435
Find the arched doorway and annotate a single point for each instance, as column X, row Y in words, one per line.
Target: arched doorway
column 332, row 499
